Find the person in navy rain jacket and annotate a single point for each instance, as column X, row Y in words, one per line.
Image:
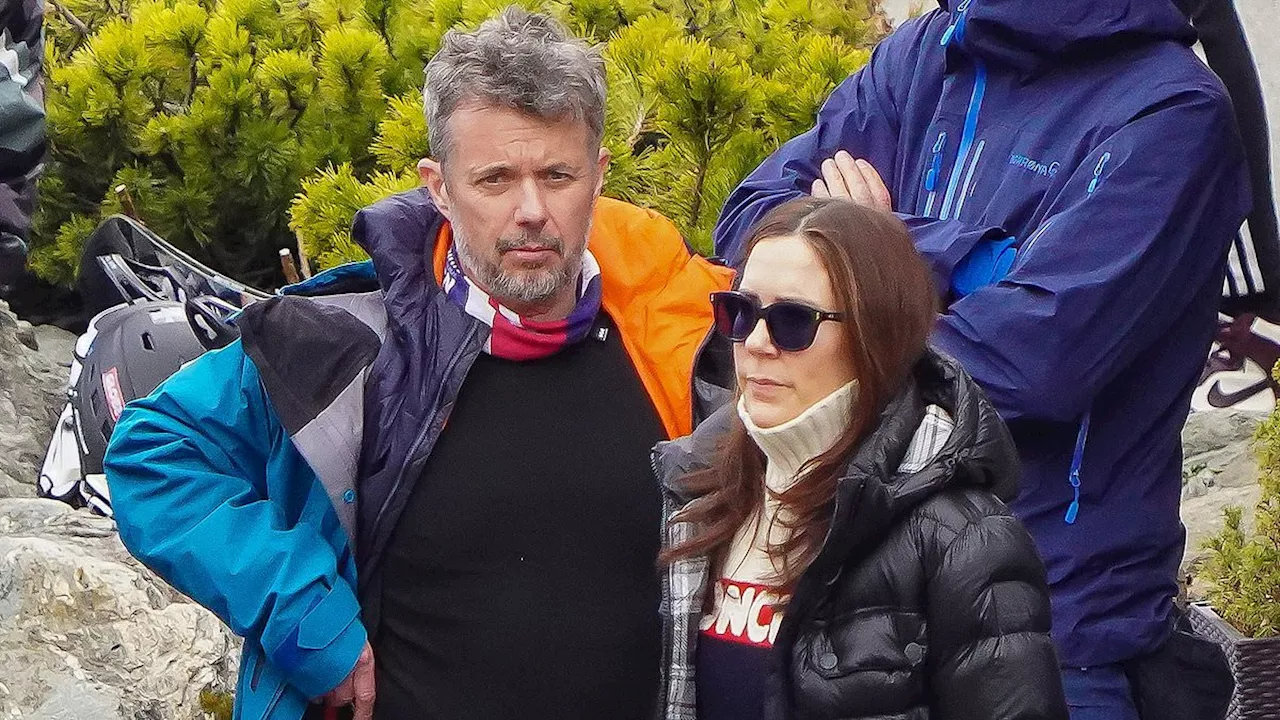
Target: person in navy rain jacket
column 1074, row 176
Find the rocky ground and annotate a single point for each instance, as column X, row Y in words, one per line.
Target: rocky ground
column 85, row 631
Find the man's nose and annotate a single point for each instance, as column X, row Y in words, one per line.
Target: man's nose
column 532, row 210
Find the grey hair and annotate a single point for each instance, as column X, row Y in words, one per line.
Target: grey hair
column 520, row 60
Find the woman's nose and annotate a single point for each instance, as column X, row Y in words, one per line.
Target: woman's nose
column 759, row 342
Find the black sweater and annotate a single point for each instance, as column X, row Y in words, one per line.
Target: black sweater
column 520, row 582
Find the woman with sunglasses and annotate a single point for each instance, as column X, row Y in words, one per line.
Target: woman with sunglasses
column 836, row 545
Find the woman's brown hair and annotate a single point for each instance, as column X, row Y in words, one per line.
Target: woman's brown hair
column 883, row 287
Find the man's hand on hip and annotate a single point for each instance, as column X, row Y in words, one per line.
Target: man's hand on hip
column 855, row 180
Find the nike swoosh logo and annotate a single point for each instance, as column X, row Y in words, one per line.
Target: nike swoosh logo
column 1220, row 399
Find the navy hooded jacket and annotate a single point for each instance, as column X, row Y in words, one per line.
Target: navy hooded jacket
column 1073, row 175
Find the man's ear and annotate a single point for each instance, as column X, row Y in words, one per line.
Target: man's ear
column 432, row 175
column 603, row 167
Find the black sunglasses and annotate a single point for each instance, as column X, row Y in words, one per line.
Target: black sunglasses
column 792, row 325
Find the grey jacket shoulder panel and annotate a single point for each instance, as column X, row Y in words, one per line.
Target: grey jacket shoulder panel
column 313, row 355
column 307, row 353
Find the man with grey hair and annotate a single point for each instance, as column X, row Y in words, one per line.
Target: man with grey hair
column 422, row 483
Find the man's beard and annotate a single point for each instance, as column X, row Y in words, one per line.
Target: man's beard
column 524, row 286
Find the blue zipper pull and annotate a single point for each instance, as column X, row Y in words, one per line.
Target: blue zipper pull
column 935, row 167
column 956, row 28
column 1097, row 172
column 960, row 24
column 1077, row 459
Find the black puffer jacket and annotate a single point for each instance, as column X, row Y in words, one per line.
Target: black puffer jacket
column 928, row 599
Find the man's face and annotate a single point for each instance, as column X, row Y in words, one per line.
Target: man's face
column 518, row 191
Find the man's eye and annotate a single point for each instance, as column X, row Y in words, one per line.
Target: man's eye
column 559, row 176
column 496, row 179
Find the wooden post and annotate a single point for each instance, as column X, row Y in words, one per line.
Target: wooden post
column 286, row 264
column 304, row 264
column 126, row 201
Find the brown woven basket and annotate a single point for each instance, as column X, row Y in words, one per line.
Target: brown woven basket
column 1255, row 663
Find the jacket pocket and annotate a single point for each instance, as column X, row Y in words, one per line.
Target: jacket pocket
column 854, row 674
column 881, row 642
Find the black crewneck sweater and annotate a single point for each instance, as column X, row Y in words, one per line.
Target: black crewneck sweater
column 521, row 581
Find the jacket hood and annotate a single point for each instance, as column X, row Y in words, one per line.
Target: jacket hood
column 1027, row 33
column 872, row 495
column 399, row 233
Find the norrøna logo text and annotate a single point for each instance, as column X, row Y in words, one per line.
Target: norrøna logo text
column 1039, row 168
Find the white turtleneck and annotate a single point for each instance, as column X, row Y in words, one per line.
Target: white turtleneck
column 748, row 570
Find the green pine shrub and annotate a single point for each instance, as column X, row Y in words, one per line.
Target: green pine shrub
column 1242, row 570
column 244, row 126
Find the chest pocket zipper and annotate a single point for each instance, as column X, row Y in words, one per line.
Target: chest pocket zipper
column 1097, row 173
column 932, row 174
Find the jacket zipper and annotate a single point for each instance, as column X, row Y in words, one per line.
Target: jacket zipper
column 966, row 137
column 426, row 428
column 968, row 178
column 275, row 700
column 1077, row 459
column 1093, row 185
column 956, row 28
column 935, row 169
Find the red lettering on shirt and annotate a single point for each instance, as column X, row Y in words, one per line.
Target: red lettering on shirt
column 744, row 613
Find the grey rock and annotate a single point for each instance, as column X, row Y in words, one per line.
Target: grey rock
column 85, row 631
column 1209, row 431
column 55, row 343
column 1217, row 453
column 71, row 698
column 27, row 335
column 32, row 391
column 1219, row 470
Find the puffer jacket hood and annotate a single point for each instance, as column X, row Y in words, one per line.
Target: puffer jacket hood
column 1026, row 34
column 874, row 495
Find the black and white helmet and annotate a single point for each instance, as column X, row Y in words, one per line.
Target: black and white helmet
column 126, row 353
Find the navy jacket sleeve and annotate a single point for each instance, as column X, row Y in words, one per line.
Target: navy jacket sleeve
column 860, row 116
column 1144, row 222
